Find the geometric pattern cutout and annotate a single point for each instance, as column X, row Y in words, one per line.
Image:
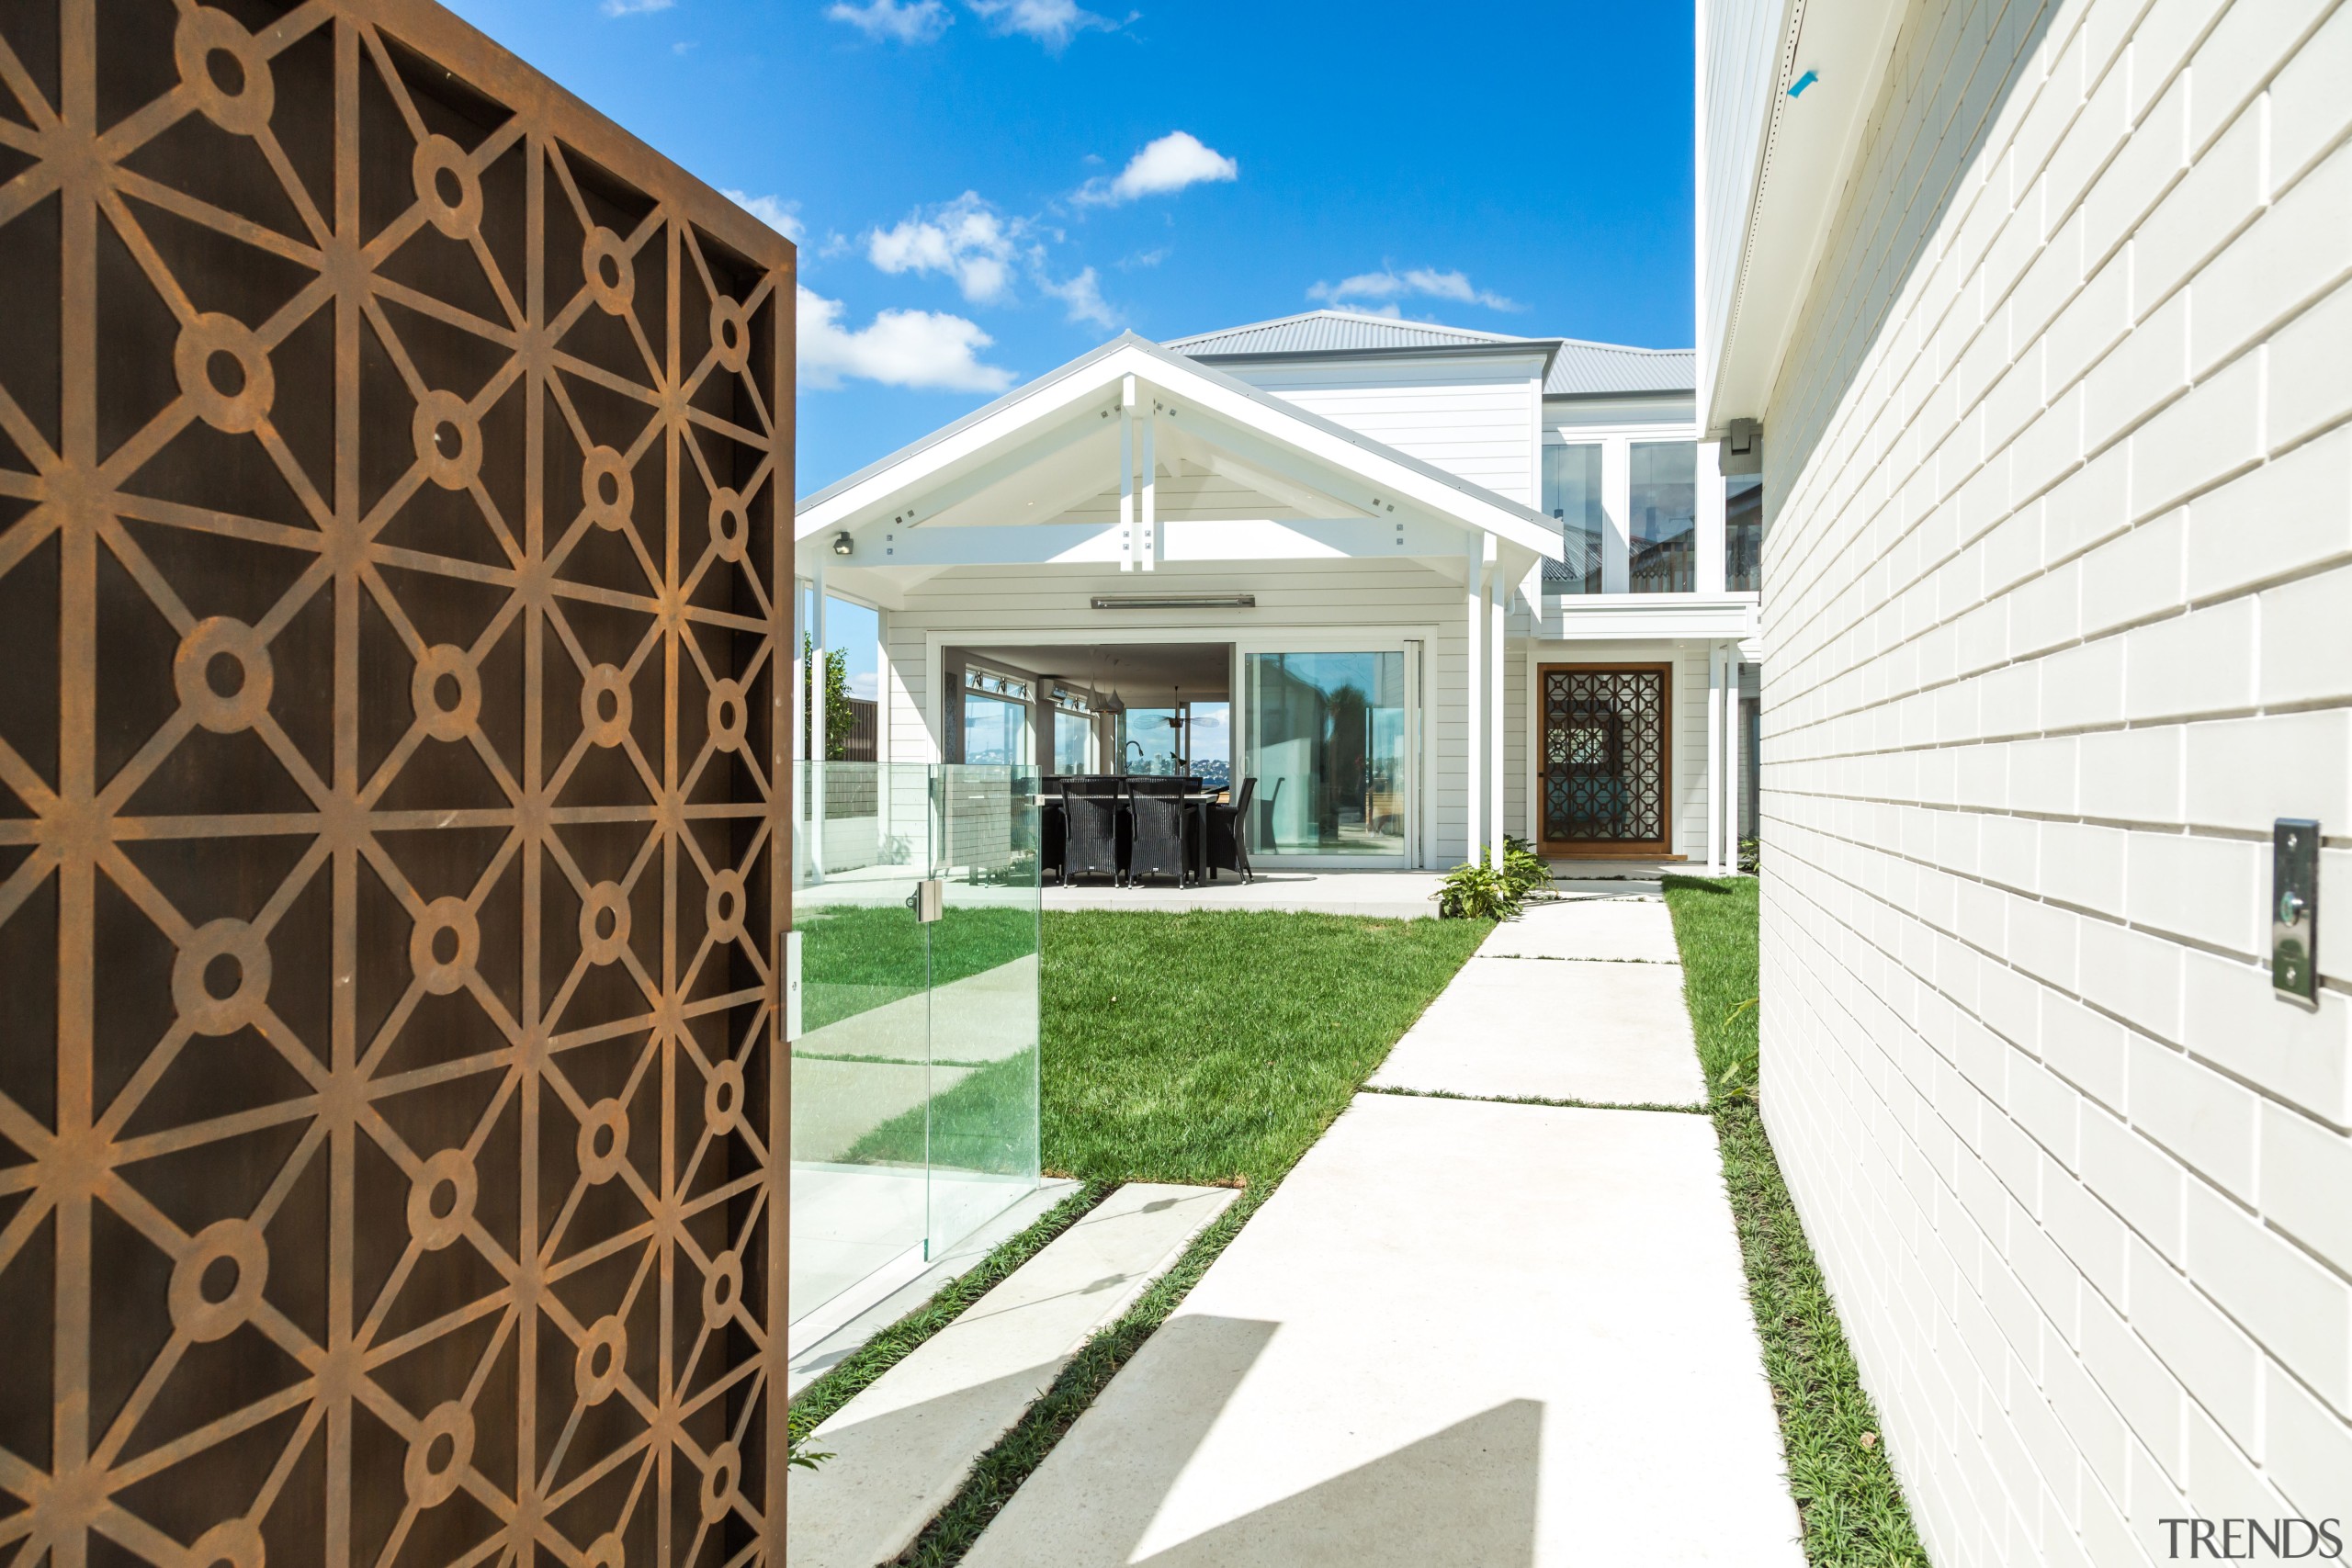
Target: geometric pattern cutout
column 1605, row 754
column 391, row 460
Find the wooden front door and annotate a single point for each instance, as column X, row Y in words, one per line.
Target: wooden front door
column 1607, row 758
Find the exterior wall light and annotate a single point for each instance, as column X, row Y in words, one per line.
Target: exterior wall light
column 842, row 544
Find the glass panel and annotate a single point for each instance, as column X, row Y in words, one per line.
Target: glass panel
column 1208, row 739
column 984, row 1001
column 1071, row 733
column 1327, row 747
column 995, row 731
column 1662, row 518
column 861, row 1062
column 1150, row 740
column 1744, row 533
column 1572, row 495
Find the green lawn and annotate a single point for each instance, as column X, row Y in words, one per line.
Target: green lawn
column 1205, row 1046
column 859, row 956
column 1846, row 1490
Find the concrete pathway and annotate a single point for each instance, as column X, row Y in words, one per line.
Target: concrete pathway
column 903, row 1446
column 1579, row 1000
column 1461, row 1334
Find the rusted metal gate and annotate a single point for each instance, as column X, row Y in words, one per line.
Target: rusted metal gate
column 391, row 454
column 1608, row 758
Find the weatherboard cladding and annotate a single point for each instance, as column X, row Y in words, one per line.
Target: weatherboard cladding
column 1578, row 368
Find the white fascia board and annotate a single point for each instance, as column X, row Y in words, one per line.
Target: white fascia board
column 1072, row 543
column 982, row 450
column 1575, row 618
column 1810, row 147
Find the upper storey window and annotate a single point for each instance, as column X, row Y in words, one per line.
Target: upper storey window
column 1662, row 536
column 1744, row 533
column 1572, row 498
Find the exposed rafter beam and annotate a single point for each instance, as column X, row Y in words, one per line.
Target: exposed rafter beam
column 1069, row 543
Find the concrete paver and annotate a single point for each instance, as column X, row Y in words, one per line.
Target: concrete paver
column 1614, row 929
column 903, row 1446
column 1461, row 1334
column 1602, row 1033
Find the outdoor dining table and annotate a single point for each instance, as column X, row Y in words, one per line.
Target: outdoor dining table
column 1201, row 801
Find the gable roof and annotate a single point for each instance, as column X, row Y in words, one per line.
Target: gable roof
column 1576, row 367
column 1055, row 393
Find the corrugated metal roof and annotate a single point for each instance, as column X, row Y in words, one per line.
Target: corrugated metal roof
column 1578, row 368
column 1583, row 369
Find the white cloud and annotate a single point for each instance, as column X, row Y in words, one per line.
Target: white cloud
column 924, row 349
column 1051, row 22
column 1387, row 286
column 1176, row 159
column 635, row 7
column 906, row 21
column 967, row 240
column 1083, row 296
column 778, row 214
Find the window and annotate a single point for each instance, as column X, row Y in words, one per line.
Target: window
column 996, row 718
column 1744, row 533
column 1662, row 519
column 1327, row 747
column 1572, row 498
column 1072, row 717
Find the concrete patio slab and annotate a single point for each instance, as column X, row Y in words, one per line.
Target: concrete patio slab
column 1604, row 1033
column 902, row 1447
column 1618, row 928
column 1459, row 1335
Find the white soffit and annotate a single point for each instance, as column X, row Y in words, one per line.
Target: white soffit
column 1809, row 150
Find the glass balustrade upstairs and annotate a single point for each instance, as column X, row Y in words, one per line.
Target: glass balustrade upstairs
column 914, row 1055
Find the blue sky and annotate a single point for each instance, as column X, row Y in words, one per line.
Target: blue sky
column 985, row 189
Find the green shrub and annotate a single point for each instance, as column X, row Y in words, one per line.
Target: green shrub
column 1477, row 891
column 1526, row 870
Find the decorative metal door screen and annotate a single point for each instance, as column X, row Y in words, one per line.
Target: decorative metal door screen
column 391, row 459
column 1607, row 755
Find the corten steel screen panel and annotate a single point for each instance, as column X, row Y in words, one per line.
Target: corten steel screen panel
column 1608, row 755
column 392, row 456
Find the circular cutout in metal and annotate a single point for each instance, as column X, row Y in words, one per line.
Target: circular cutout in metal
column 217, row 1282
column 445, row 691
column 232, row 1543
column 596, row 1368
column 611, row 275
column 731, row 525
column 719, row 1481
column 604, row 706
column 224, row 373
column 446, row 186
column 448, row 439
column 607, row 490
column 603, row 1142
column 604, row 923
column 722, row 1100
column 730, row 333
column 728, row 714
column 224, row 71
column 441, row 1199
column 221, row 978
column 438, row 1454
column 722, row 1288
column 443, row 946
column 723, row 905
column 606, row 1552
column 217, row 653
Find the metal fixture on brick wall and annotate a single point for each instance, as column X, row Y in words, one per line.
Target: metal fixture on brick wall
column 2294, row 910
column 392, row 461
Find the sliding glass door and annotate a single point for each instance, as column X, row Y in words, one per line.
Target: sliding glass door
column 1329, row 744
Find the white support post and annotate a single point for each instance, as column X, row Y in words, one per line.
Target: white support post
column 1616, row 513
column 803, row 780
column 1735, row 781
column 1127, row 476
column 820, row 667
column 1714, row 758
column 1152, row 551
column 1497, row 603
column 1473, row 656
column 1709, row 577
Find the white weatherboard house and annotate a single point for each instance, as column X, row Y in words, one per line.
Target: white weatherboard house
column 2045, row 308
column 1428, row 586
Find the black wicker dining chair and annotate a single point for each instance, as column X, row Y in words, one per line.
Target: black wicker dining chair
column 1163, row 831
column 1090, row 828
column 1229, row 833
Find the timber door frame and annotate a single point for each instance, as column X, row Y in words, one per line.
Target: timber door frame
column 1660, row 848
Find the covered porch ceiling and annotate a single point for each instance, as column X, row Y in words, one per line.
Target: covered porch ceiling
column 1218, row 472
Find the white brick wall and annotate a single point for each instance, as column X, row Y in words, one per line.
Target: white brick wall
column 2062, row 620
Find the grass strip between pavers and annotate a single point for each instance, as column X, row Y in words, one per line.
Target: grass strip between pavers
column 1847, row 1493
